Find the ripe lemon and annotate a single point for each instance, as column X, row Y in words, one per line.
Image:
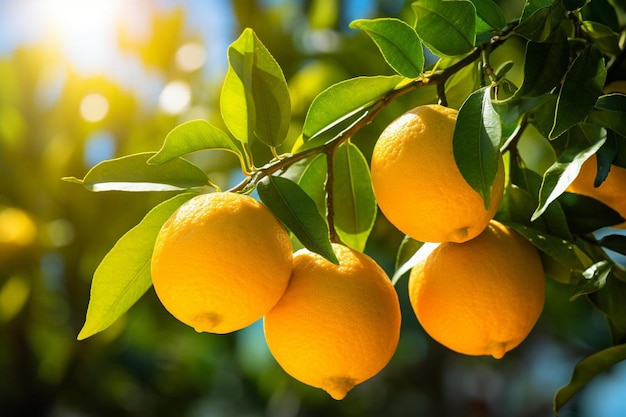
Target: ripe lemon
column 481, row 297
column 417, row 183
column 220, row 262
column 336, row 325
column 611, row 192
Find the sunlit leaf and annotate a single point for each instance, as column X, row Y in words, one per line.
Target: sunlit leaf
column 446, row 27
column 610, row 112
column 540, row 18
column 586, row 370
column 476, row 143
column 420, row 250
column 594, row 279
column 255, row 99
column 193, row 136
column 288, row 201
column 123, row 276
column 133, row 173
column 353, row 198
column 489, row 12
column 545, row 63
column 398, row 43
column 341, row 100
column 581, row 88
column 585, row 141
column 603, row 37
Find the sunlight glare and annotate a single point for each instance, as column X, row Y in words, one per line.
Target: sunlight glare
column 85, row 29
column 175, row 97
column 191, row 56
column 94, row 107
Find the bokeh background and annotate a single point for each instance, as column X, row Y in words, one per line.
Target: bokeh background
column 84, row 80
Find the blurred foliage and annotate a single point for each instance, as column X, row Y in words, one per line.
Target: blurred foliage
column 149, row 364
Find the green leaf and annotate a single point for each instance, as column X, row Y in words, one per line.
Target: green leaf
column 193, row 136
column 420, row 250
column 585, row 214
column 310, row 175
column 585, row 141
column 353, row 198
column 489, row 12
column 539, row 22
column 531, row 6
column 561, row 250
column 342, row 100
column 123, row 276
column 616, row 243
column 397, row 42
column 611, row 300
column 594, row 279
column 255, row 99
column 586, row 370
column 289, row 203
column 133, row 173
column 446, row 27
column 545, row 63
column 603, row 37
column 581, row 88
column 476, row 143
column 610, row 112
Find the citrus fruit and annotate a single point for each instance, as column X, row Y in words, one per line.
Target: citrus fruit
column 611, row 192
column 336, row 325
column 220, row 262
column 417, row 183
column 480, row 297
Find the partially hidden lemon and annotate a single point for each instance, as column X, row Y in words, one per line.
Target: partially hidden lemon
column 336, row 325
column 220, row 262
column 611, row 192
column 418, row 185
column 480, row 297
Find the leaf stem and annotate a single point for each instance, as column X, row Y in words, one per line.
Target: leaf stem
column 330, row 183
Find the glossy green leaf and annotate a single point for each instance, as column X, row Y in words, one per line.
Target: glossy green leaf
column 397, row 42
column 194, row 136
column 123, row 276
column 539, row 22
column 342, row 100
column 255, row 99
column 585, row 214
column 446, row 27
column 353, row 198
column 594, row 279
column 133, row 173
column 532, row 6
column 310, row 174
column 489, row 12
column 581, row 88
column 561, row 250
column 583, row 142
column 610, row 112
column 476, row 142
column 545, row 63
column 586, row 370
column 289, row 203
column 603, row 37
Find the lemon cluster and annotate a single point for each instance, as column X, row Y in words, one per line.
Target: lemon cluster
column 223, row 261
column 482, row 289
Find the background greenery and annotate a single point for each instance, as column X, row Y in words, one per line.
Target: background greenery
column 148, row 363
